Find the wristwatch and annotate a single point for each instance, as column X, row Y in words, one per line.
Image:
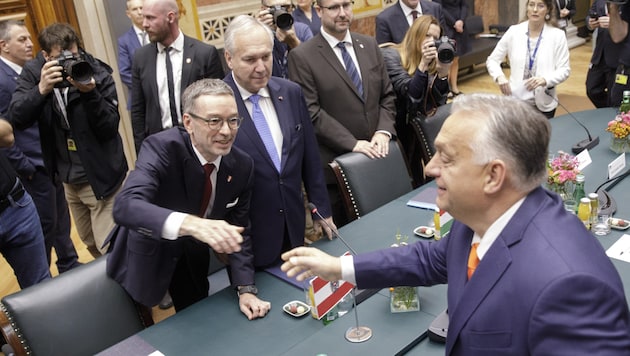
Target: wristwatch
column 246, row 289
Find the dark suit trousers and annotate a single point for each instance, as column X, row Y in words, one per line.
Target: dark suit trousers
column 599, row 82
column 189, row 283
column 52, row 208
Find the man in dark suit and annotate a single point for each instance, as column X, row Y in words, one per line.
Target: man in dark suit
column 190, row 59
column 129, row 42
column 392, row 23
column 277, row 206
column 524, row 275
column 26, row 153
column 347, row 116
column 170, row 211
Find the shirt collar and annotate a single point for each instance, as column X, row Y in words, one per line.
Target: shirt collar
column 177, row 45
column 203, row 161
column 245, row 94
column 495, row 229
column 138, row 30
column 407, row 10
column 17, row 68
column 332, row 41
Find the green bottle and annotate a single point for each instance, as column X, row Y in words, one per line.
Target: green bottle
column 579, row 192
column 624, row 107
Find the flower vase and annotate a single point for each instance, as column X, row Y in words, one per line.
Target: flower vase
column 404, row 299
column 559, row 189
column 619, row 145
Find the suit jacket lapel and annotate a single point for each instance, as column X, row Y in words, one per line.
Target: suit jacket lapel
column 189, row 52
column 364, row 65
column 330, row 57
column 151, row 65
column 282, row 107
column 193, row 175
column 222, row 192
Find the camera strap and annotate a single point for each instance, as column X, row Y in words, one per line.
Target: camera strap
column 62, row 102
column 429, row 93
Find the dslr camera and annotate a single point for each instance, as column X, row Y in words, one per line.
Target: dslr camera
column 445, row 49
column 593, row 14
column 281, row 17
column 75, row 68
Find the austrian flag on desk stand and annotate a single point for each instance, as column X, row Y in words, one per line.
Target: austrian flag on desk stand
column 325, row 295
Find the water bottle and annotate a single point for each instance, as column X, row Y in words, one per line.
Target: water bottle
column 345, row 305
column 624, row 107
column 579, row 192
column 331, row 316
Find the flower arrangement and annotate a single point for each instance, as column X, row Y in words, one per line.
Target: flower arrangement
column 620, row 125
column 562, row 168
column 620, row 129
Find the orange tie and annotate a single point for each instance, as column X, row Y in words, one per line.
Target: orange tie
column 473, row 260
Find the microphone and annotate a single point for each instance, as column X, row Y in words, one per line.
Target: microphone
column 585, row 144
column 607, row 203
column 314, row 210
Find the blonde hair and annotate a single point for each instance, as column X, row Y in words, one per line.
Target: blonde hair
column 410, row 49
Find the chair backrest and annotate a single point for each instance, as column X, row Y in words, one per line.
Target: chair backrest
column 426, row 129
column 366, row 184
column 80, row 312
column 474, row 25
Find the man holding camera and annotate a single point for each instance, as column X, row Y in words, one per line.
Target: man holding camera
column 72, row 96
column 347, row 90
column 288, row 34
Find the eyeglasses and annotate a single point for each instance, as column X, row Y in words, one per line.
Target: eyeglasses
column 539, row 6
column 215, row 123
column 347, row 6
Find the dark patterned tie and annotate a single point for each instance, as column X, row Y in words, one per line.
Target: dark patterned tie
column 171, row 87
column 414, row 15
column 350, row 68
column 207, row 189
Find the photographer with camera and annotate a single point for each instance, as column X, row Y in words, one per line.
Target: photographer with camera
column 601, row 72
column 539, row 58
column 72, row 96
column 418, row 68
column 277, row 14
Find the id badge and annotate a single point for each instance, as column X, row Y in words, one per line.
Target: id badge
column 72, row 146
column 621, row 79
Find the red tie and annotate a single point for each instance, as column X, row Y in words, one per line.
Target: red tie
column 473, row 259
column 207, row 188
column 414, row 15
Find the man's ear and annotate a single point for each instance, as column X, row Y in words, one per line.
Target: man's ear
column 495, row 176
column 228, row 58
column 46, row 55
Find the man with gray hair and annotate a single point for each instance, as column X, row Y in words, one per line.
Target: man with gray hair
column 524, row 275
column 190, row 191
column 277, row 133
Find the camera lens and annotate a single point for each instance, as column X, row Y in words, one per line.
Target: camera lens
column 80, row 71
column 283, row 19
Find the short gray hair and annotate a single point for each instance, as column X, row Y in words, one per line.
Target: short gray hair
column 243, row 24
column 201, row 88
column 5, row 28
column 511, row 130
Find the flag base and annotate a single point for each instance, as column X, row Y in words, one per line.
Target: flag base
column 358, row 334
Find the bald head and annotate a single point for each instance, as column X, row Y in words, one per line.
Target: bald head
column 161, row 20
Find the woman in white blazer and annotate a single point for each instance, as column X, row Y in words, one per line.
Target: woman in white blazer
column 538, row 55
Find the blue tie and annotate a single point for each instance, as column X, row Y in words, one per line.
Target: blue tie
column 350, row 68
column 263, row 130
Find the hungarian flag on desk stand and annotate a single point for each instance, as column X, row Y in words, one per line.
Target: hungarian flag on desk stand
column 324, row 295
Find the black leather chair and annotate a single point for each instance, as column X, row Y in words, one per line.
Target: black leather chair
column 80, row 312
column 426, row 129
column 366, row 184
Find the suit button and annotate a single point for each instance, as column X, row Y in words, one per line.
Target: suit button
column 281, row 211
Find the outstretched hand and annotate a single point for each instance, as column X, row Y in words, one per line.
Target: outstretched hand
column 307, row 262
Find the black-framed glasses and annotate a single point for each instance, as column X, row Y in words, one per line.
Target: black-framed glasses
column 215, row 123
column 335, row 8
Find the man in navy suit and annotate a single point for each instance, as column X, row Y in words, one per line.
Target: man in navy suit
column 190, row 59
column 392, row 23
column 129, row 42
column 524, row 275
column 277, row 206
column 165, row 224
column 26, row 153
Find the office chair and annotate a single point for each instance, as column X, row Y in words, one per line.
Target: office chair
column 366, row 184
column 80, row 312
column 426, row 129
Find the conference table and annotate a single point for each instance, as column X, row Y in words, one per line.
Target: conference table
column 215, row 325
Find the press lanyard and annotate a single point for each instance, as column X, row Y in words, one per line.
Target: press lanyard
column 532, row 58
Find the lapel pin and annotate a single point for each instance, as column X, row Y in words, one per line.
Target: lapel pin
column 229, row 179
column 361, row 45
column 188, row 60
column 280, row 98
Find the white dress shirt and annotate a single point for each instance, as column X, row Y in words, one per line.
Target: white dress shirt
column 177, row 59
